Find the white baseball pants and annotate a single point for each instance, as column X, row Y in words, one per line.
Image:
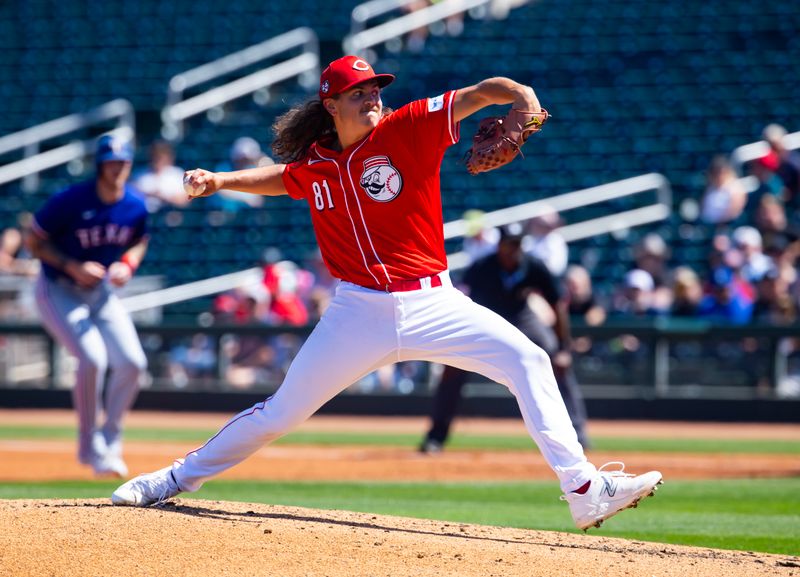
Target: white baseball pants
column 95, row 327
column 364, row 329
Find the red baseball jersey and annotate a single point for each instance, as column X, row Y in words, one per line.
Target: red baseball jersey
column 376, row 206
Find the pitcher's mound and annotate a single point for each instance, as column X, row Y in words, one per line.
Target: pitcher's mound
column 194, row 538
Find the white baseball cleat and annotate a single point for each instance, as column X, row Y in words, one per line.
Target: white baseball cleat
column 104, row 459
column 105, row 466
column 113, row 458
column 609, row 493
column 114, row 466
column 148, row 489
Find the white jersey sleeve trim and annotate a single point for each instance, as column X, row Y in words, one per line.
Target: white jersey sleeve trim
column 453, row 127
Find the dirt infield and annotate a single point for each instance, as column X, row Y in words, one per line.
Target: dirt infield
column 55, row 460
column 194, row 538
column 204, row 538
column 32, row 460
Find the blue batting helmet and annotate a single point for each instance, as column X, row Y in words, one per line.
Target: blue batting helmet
column 111, row 147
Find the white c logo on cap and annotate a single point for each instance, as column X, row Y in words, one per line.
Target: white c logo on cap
column 360, row 65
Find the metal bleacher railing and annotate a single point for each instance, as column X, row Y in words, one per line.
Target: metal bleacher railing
column 361, row 38
column 305, row 66
column 660, row 210
column 754, row 150
column 30, row 141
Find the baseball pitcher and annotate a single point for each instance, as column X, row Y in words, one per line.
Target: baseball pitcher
column 370, row 177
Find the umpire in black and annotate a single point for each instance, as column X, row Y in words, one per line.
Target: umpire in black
column 503, row 282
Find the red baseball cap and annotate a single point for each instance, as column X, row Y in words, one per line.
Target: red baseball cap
column 346, row 72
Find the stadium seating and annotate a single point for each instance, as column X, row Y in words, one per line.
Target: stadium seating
column 633, row 87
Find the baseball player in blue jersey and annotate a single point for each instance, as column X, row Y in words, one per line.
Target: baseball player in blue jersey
column 90, row 239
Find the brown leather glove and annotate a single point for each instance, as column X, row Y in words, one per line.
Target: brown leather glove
column 499, row 139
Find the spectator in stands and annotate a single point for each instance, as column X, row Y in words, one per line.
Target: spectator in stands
column 724, row 198
column 651, row 254
column 775, row 229
column 721, row 245
column 245, row 153
column 193, row 362
column 788, row 168
column 582, row 305
column 580, row 296
column 783, row 257
column 687, row 292
column 480, row 240
column 633, row 301
column 729, row 299
column 636, row 299
column 284, row 282
column 774, row 304
column 17, row 268
column 15, row 259
column 247, row 359
column 769, row 183
column 242, row 305
column 546, row 243
column 754, row 262
column 162, row 182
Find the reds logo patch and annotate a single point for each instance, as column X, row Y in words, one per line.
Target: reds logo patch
column 380, row 180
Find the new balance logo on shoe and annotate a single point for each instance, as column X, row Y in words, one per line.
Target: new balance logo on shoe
column 609, row 487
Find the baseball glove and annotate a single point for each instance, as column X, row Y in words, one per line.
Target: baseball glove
column 499, row 139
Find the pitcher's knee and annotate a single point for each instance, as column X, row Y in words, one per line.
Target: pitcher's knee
column 274, row 422
column 534, row 355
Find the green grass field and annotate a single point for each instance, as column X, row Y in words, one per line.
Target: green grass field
column 745, row 514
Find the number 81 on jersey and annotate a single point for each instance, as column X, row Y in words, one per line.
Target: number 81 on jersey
column 319, row 197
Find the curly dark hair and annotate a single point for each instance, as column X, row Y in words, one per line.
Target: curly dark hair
column 302, row 125
column 298, row 128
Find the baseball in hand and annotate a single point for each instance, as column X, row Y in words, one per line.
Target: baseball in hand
column 189, row 188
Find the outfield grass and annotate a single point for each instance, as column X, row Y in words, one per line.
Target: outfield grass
column 410, row 440
column 753, row 514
